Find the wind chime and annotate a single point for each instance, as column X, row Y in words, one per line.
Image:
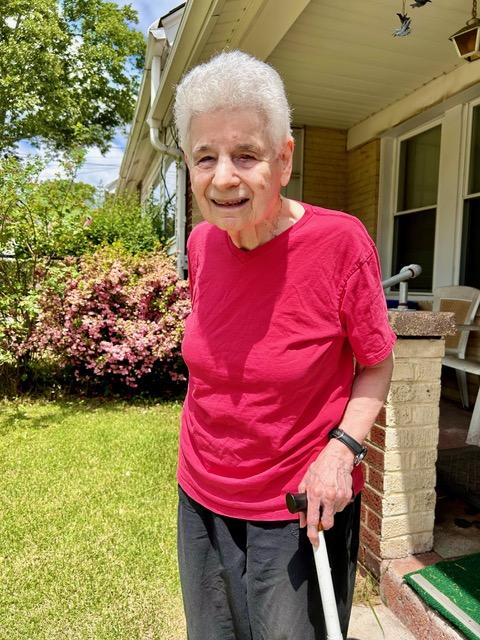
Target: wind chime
column 405, row 28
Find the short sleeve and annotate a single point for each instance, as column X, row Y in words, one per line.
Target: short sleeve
column 363, row 313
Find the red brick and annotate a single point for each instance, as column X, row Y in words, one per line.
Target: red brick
column 377, row 436
column 372, row 499
column 363, row 514
column 372, row 563
column 374, row 522
column 375, row 479
column 376, row 457
column 382, row 418
column 369, row 540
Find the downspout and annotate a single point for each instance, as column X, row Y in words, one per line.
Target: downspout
column 156, row 143
column 154, row 125
column 181, row 201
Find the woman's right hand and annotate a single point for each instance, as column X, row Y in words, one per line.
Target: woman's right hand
column 328, row 485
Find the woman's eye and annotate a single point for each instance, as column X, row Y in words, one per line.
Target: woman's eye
column 204, row 160
column 245, row 158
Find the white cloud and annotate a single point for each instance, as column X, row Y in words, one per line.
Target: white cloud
column 98, row 170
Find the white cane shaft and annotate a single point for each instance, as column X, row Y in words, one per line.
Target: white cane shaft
column 327, row 593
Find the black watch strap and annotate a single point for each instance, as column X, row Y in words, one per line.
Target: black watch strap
column 357, row 449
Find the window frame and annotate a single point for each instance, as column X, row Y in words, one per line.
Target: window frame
column 455, row 148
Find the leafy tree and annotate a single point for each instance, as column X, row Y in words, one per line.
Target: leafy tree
column 39, row 222
column 69, row 71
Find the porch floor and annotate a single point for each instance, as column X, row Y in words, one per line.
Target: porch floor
column 450, row 539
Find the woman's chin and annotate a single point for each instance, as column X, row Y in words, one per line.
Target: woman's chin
column 229, row 223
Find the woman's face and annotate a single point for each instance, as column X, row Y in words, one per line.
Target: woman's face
column 236, row 175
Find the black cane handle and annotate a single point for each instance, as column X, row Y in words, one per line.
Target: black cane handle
column 296, row 502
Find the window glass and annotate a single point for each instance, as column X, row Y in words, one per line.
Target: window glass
column 414, row 237
column 474, row 173
column 470, row 266
column 418, row 171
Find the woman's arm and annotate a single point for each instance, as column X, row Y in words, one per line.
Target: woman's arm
column 328, row 481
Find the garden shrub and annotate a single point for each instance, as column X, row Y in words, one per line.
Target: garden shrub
column 42, row 223
column 121, row 219
column 116, row 320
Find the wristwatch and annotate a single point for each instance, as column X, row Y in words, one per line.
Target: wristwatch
column 354, row 446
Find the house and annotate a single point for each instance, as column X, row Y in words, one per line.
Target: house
column 386, row 128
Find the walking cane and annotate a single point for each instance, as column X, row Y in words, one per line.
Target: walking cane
column 298, row 502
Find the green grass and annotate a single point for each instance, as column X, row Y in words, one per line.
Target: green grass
column 87, row 521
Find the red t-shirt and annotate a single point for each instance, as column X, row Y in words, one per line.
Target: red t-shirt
column 270, row 346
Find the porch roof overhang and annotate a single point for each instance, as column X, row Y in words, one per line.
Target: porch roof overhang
column 341, row 65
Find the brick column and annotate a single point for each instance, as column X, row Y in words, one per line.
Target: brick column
column 399, row 497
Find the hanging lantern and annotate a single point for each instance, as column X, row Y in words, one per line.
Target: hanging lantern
column 467, row 40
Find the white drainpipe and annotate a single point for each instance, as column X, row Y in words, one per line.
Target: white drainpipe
column 156, row 143
column 181, row 218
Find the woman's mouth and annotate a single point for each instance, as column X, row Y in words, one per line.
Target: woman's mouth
column 230, row 204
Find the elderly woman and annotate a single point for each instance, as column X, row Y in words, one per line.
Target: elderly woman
column 289, row 352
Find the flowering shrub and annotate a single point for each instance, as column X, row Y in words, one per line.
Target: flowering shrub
column 42, row 223
column 116, row 319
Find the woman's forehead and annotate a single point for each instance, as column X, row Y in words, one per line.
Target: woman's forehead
column 234, row 127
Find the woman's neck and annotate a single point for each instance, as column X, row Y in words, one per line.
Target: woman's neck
column 252, row 237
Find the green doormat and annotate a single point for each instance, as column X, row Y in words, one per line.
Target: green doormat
column 452, row 587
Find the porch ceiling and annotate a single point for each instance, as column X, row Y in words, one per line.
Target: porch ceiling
column 341, row 63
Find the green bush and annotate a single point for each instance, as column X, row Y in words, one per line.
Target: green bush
column 121, row 220
column 43, row 224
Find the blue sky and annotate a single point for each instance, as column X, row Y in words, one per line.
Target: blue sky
column 100, row 170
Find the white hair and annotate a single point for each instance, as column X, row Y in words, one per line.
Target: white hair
column 233, row 80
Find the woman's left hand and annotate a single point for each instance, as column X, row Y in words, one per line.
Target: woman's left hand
column 328, row 485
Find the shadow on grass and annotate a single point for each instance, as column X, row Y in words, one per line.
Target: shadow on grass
column 38, row 412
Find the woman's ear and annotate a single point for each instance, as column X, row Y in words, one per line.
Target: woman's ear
column 286, row 159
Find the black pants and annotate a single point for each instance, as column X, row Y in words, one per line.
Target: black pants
column 250, row 580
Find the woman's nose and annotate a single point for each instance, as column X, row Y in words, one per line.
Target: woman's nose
column 225, row 174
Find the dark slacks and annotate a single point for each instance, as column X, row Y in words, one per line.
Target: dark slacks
column 250, row 580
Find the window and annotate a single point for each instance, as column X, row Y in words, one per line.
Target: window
column 429, row 195
column 470, row 254
column 415, row 214
column 163, row 201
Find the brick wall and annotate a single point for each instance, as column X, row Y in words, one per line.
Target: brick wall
column 398, row 502
column 325, row 167
column 339, row 179
column 363, row 169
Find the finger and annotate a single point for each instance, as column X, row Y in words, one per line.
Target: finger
column 312, row 533
column 327, row 516
column 303, row 517
column 313, row 518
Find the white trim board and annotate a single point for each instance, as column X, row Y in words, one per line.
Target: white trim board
column 435, row 93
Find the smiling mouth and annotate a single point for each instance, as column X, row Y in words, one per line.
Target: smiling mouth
column 230, row 204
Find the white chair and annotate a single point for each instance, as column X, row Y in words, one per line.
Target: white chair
column 464, row 303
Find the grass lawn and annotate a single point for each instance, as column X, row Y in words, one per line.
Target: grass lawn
column 87, row 521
